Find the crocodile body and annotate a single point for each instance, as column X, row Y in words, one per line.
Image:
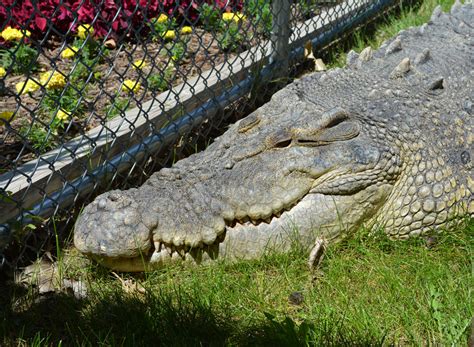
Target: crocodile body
column 386, row 142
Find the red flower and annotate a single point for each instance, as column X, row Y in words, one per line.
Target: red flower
column 124, row 17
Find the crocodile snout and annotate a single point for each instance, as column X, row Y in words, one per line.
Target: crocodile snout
column 112, row 226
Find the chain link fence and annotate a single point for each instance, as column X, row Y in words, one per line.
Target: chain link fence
column 98, row 94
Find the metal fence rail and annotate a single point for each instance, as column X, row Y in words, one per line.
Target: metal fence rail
column 96, row 95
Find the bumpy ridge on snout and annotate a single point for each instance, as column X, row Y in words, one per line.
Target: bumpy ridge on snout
column 113, row 226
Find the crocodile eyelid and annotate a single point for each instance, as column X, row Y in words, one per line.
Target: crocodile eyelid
column 338, row 132
column 333, row 117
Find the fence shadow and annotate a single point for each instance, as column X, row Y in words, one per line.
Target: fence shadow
column 153, row 319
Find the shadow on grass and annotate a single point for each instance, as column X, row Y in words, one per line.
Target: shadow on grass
column 115, row 318
column 181, row 308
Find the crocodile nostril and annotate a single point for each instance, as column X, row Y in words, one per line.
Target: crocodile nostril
column 113, row 197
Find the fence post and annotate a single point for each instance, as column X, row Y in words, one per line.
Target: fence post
column 280, row 36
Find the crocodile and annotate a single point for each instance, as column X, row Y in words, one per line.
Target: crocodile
column 385, row 143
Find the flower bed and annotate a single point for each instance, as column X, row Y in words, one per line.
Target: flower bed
column 62, row 16
column 57, row 88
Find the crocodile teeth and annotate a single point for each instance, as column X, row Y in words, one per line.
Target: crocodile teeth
column 158, row 257
column 243, row 220
column 189, row 258
column 157, row 246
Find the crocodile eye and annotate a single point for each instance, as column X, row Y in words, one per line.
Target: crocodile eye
column 280, row 139
column 283, row 143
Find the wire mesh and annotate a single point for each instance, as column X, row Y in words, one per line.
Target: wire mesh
column 96, row 94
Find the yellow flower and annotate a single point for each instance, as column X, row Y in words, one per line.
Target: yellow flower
column 162, row 18
column 130, row 86
column 69, row 52
column 6, row 115
column 169, row 35
column 12, row 34
column 228, row 16
column 2, row 72
column 83, row 30
column 236, row 17
column 29, row 86
column 62, row 115
column 139, row 64
column 186, row 30
column 52, row 80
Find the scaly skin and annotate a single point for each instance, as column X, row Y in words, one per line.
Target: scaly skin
column 385, row 142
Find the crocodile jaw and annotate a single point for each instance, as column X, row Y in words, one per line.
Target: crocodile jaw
column 314, row 216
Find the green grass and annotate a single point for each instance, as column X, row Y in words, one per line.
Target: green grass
column 369, row 291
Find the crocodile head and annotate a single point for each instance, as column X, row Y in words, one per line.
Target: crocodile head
column 387, row 141
column 295, row 171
